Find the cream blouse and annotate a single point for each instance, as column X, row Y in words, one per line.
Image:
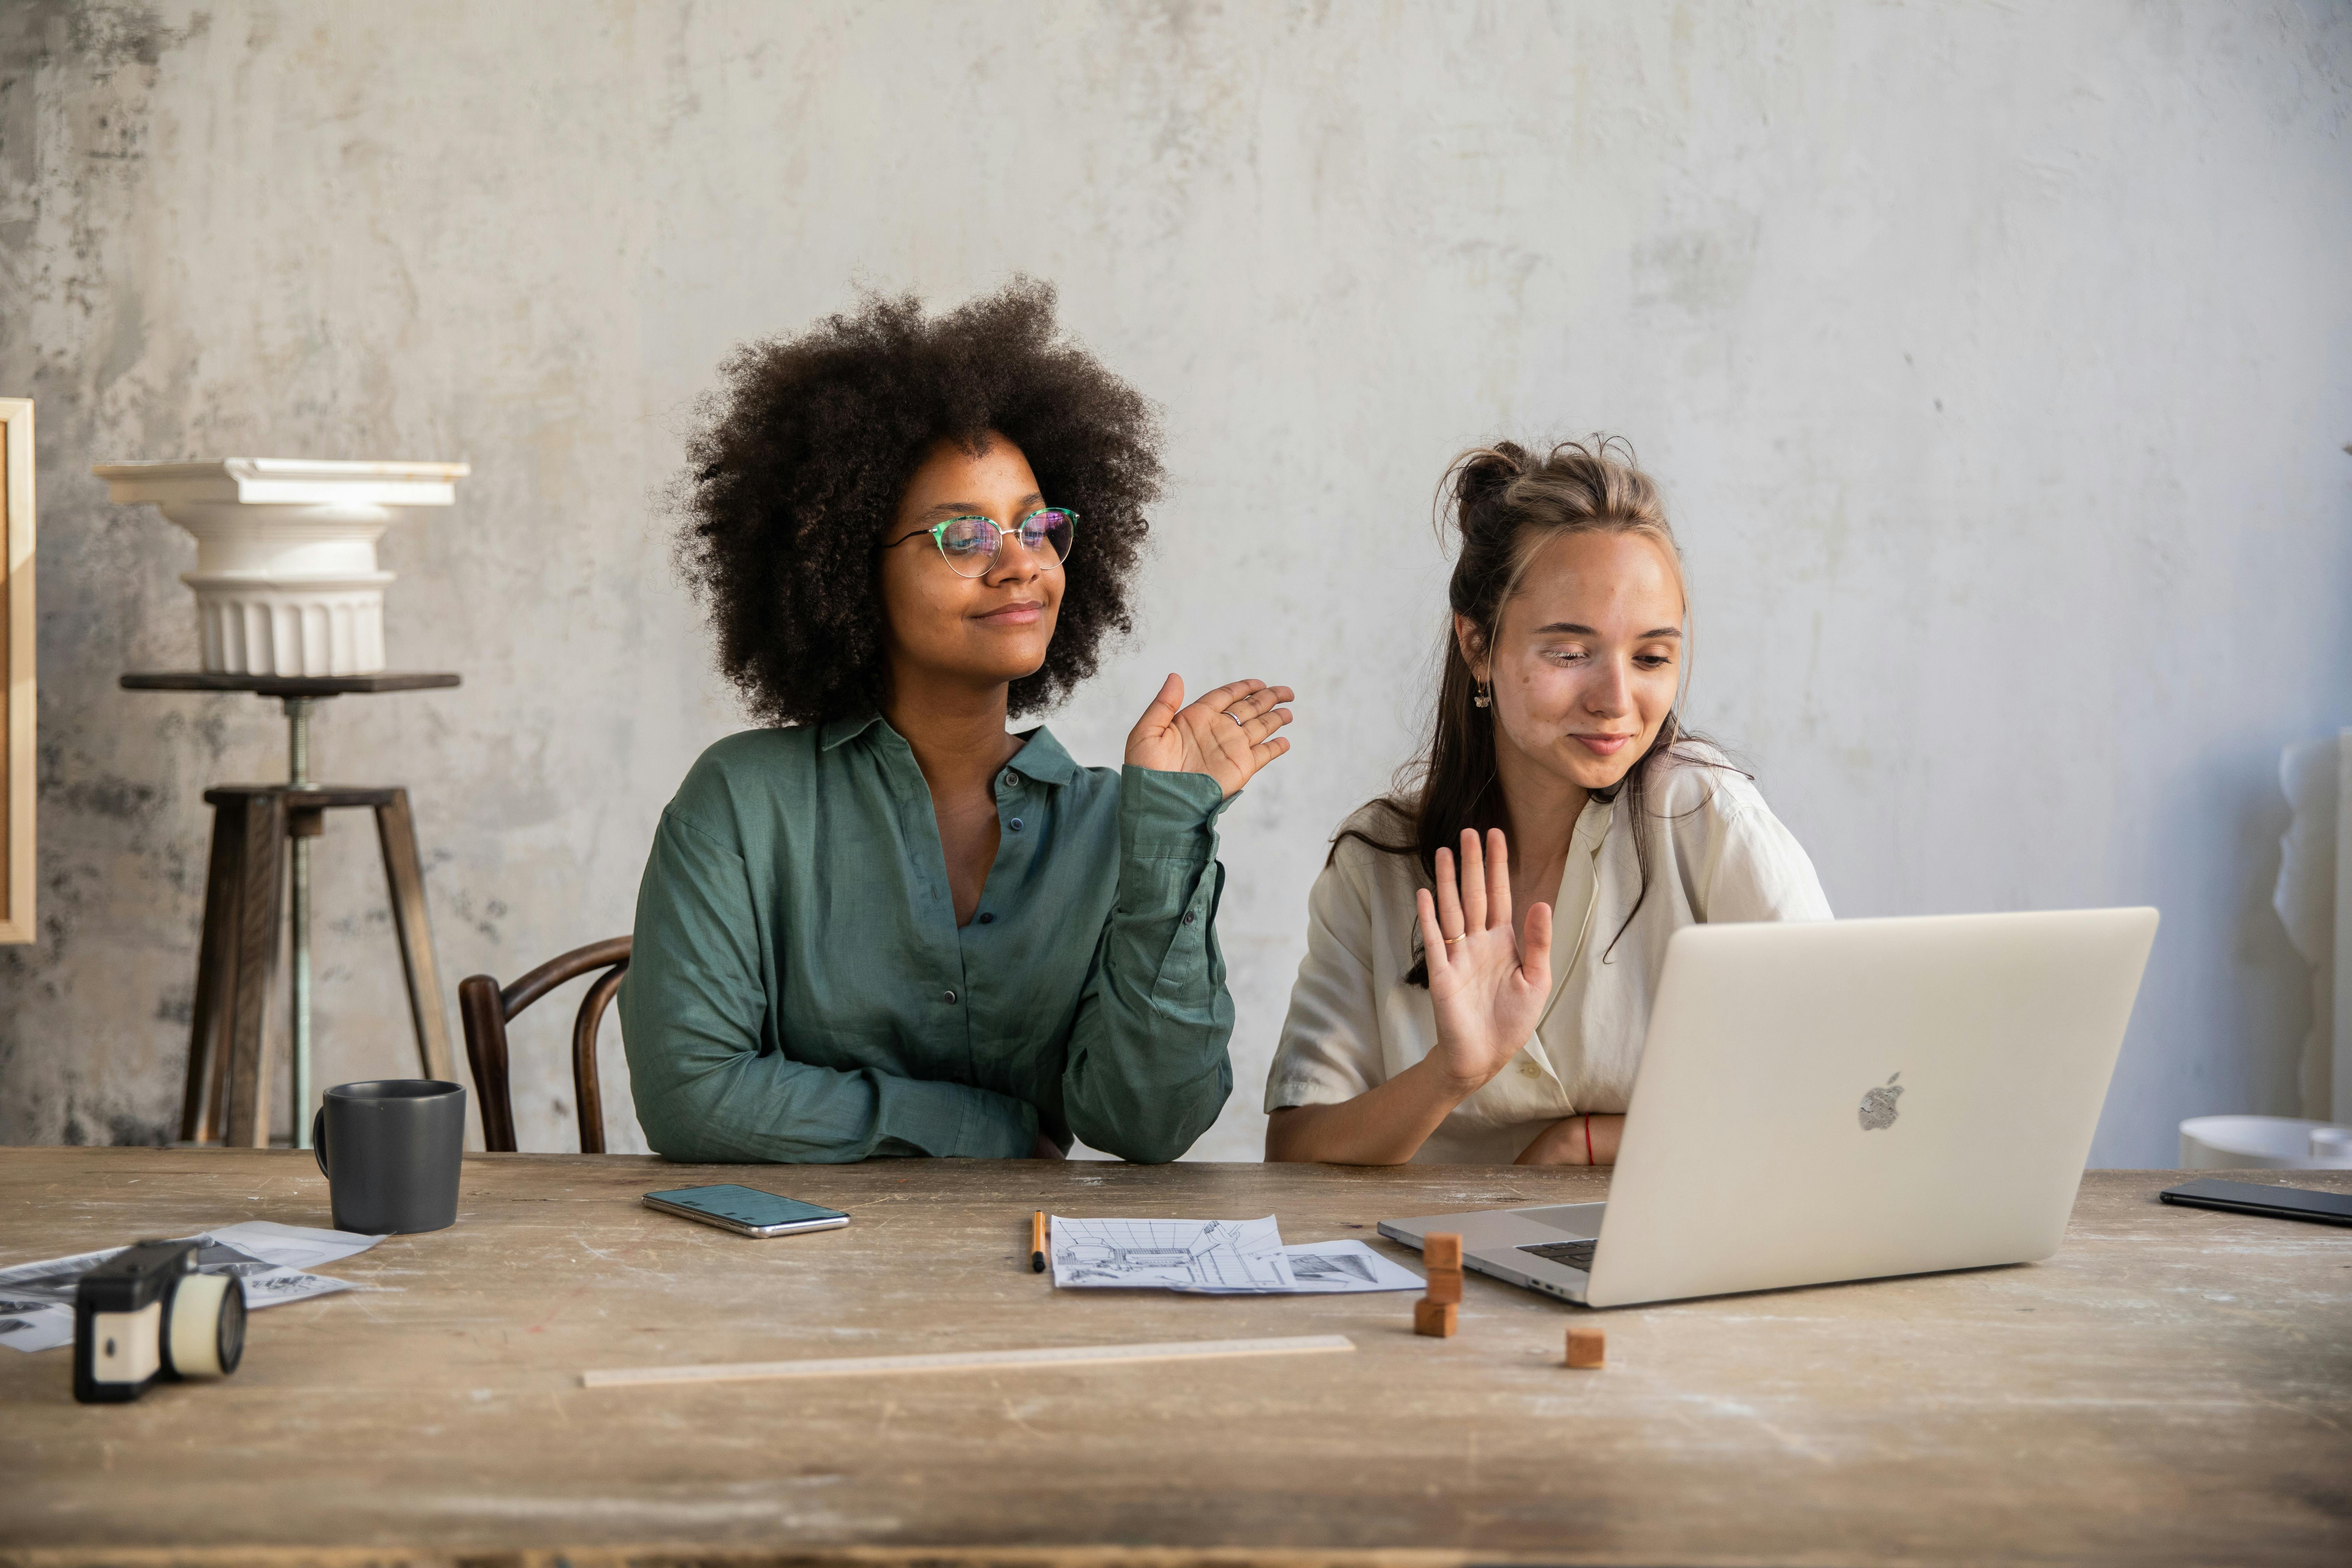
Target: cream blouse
column 1717, row 853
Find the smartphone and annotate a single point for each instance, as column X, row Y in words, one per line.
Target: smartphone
column 746, row 1211
column 2250, row 1197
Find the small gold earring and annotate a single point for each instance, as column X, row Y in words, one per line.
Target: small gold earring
column 1484, row 697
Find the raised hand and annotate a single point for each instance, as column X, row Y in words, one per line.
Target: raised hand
column 1488, row 996
column 1229, row 734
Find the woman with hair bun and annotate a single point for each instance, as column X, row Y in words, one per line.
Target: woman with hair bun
column 885, row 924
column 1436, row 1019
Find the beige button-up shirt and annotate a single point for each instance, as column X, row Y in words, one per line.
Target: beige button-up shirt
column 1717, row 853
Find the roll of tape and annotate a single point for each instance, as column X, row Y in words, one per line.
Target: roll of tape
column 195, row 1333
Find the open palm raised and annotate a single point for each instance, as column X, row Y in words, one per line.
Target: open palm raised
column 1229, row 734
column 1488, row 997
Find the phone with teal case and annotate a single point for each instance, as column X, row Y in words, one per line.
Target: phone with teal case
column 746, row 1211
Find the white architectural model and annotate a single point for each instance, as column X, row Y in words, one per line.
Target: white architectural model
column 285, row 574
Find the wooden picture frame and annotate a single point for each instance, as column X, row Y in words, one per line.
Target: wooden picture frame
column 16, row 687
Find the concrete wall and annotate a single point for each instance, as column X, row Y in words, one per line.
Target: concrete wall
column 1997, row 361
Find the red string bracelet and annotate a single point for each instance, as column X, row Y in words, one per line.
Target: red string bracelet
column 1588, row 1139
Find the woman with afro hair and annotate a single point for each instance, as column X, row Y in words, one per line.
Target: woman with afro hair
column 884, row 923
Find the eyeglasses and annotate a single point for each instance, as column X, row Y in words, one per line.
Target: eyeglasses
column 970, row 544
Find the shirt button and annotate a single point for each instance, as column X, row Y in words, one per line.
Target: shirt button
column 1012, row 779
column 985, row 919
column 948, row 996
column 1014, row 824
column 1188, row 919
column 1526, row 1069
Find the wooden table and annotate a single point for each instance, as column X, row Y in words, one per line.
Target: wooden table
column 2175, row 1387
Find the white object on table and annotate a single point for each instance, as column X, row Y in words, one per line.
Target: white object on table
column 286, row 576
column 2263, row 1144
column 1213, row 1258
column 1327, row 1269
column 1130, row 1254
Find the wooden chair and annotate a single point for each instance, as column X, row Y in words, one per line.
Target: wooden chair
column 486, row 1010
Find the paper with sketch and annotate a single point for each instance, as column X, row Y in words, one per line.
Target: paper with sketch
column 1330, row 1268
column 37, row 1298
column 1215, row 1257
column 1241, row 1255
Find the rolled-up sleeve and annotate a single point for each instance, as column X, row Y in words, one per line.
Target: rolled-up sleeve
column 1148, row 1070
column 710, row 1082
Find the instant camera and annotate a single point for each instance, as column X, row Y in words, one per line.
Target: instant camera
column 146, row 1313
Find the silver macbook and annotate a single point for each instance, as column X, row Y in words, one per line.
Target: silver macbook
column 1842, row 1099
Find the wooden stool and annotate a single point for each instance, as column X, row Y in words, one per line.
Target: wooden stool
column 236, row 969
column 226, row 1097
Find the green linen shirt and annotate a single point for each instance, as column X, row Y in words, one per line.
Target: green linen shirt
column 799, row 989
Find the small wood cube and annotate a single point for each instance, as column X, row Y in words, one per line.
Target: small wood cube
column 1445, row 1285
column 1438, row 1319
column 1441, row 1250
column 1587, row 1347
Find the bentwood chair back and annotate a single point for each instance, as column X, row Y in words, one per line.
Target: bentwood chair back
column 487, row 1009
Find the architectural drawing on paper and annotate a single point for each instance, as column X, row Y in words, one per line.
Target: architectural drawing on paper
column 1327, row 1267
column 1335, row 1268
column 1183, row 1253
column 36, row 1300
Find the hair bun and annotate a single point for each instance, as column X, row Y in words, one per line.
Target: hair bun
column 1481, row 476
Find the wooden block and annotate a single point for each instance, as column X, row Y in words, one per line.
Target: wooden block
column 1445, row 1285
column 1441, row 1250
column 1438, row 1319
column 1587, row 1347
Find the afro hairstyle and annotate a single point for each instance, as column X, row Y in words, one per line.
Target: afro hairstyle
column 806, row 448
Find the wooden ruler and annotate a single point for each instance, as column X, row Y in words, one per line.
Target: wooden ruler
column 968, row 1361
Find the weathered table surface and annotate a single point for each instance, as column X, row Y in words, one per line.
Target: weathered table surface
column 2175, row 1387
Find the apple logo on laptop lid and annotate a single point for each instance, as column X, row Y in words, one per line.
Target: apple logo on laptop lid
column 1878, row 1105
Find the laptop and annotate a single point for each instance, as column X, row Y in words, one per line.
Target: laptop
column 1842, row 1099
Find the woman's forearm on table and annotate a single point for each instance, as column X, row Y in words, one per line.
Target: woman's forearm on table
column 702, row 1103
column 1385, row 1125
column 1578, row 1139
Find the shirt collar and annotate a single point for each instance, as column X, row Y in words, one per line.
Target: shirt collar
column 848, row 727
column 1042, row 758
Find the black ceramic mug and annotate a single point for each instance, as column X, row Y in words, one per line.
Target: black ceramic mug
column 390, row 1150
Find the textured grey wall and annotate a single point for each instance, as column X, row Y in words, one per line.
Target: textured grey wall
column 1997, row 363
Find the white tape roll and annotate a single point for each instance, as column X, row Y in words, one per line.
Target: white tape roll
column 195, row 1325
